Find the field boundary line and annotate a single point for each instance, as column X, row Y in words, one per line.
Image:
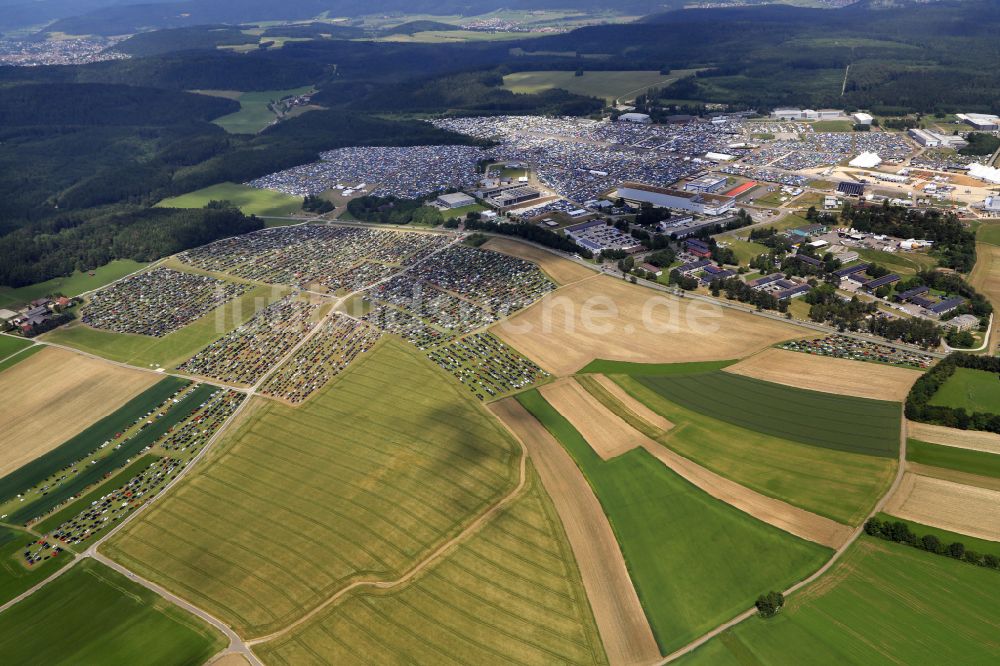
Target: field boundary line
column 33, row 344
column 750, row 612
column 431, row 558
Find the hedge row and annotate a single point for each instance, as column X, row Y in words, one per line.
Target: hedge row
column 900, row 532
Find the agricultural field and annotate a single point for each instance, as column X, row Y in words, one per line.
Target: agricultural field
column 73, row 285
column 375, row 485
column 22, row 355
column 882, row 602
column 972, row 390
column 560, row 270
column 828, row 375
column 76, row 391
column 606, row 85
column 15, row 575
column 839, row 485
column 949, row 457
column 833, row 126
column 511, row 591
column 951, row 506
column 604, row 318
column 10, row 345
column 255, row 113
column 838, row 422
column 946, row 537
column 174, row 348
column 985, row 275
column 689, row 554
column 94, row 615
column 974, row 440
column 605, row 367
column 250, row 200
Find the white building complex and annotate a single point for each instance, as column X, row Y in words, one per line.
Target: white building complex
column 702, row 203
column 807, row 114
column 981, row 121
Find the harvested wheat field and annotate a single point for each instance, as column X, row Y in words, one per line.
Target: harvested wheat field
column 55, row 394
column 985, row 277
column 964, row 478
column 948, row 505
column 639, row 409
column 604, row 430
column 976, row 440
column 562, row 271
column 610, row 319
column 230, row 659
column 621, row 621
column 830, row 375
column 801, row 523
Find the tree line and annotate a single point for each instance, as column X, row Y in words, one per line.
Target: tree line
column 918, row 407
column 900, row 532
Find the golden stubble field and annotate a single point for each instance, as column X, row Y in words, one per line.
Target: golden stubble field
column 55, row 394
column 948, row 505
column 605, row 318
column 830, row 375
column 562, row 271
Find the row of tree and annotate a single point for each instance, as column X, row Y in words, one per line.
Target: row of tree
column 918, row 407
column 531, row 233
column 900, row 532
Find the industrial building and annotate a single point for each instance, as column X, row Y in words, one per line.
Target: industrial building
column 706, row 183
column 513, row 196
column 984, row 122
column 702, row 203
column 862, row 118
column 924, row 138
column 807, row 114
column 455, row 200
column 992, row 204
column 597, row 236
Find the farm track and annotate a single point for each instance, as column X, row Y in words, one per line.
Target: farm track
column 621, row 621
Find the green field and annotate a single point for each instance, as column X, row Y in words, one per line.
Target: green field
column 17, row 358
column 745, row 250
column 603, row 367
column 250, row 200
column 981, row 546
column 115, row 459
column 117, row 481
column 882, row 603
column 695, row 561
column 15, row 577
column 89, row 440
column 254, row 114
column 838, row 422
column 989, row 232
column 509, row 593
column 94, row 615
column 609, row 85
column 840, row 485
column 833, row 126
column 952, row 457
column 361, row 482
column 74, row 285
column 175, row 348
column 908, row 263
column 973, row 390
column 11, row 345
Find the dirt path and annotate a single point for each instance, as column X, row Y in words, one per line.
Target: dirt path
column 621, row 621
column 606, row 433
column 801, row 523
column 641, row 411
column 974, row 440
column 948, row 505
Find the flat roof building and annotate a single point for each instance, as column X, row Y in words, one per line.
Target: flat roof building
column 640, row 118
column 702, row 203
column 706, row 183
column 455, row 200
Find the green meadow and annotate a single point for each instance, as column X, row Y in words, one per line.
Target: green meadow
column 982, row 463
column 881, row 603
column 250, row 200
column 973, row 390
column 607, row 85
column 15, row 576
column 73, row 285
column 695, row 561
column 94, row 615
column 254, row 114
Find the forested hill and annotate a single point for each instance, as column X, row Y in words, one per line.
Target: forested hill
column 119, row 20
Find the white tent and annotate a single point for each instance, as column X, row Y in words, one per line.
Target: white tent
column 983, row 172
column 866, row 161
